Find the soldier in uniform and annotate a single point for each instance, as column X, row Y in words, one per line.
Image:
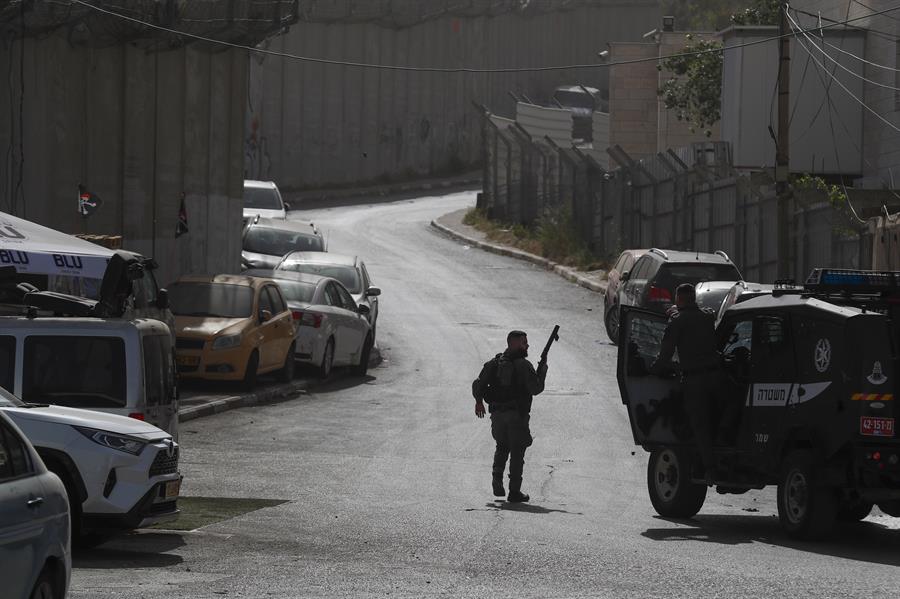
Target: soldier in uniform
column 513, row 382
column 691, row 331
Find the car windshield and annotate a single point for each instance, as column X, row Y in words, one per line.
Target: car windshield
column 211, row 299
column 345, row 274
column 278, row 242
column 8, row 400
column 261, row 198
column 297, row 292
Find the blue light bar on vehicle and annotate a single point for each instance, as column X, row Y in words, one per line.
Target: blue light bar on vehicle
column 859, row 281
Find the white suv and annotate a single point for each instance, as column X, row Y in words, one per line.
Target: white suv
column 119, row 473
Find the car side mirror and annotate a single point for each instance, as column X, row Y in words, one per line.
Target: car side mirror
column 162, row 299
column 625, row 276
column 265, row 316
column 363, row 309
column 373, row 292
column 287, row 206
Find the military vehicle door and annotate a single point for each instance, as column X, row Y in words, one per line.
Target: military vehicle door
column 773, row 374
column 735, row 337
column 654, row 401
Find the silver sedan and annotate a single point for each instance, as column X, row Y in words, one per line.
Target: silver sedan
column 331, row 329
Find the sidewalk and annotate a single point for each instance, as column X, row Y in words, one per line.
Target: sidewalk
column 196, row 403
column 452, row 225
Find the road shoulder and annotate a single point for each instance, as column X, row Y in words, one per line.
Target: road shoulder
column 452, row 224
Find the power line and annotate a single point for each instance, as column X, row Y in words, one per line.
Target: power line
column 859, row 58
column 852, row 72
column 838, row 81
column 884, row 34
column 456, row 69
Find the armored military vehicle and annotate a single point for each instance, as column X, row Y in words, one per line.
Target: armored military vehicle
column 811, row 375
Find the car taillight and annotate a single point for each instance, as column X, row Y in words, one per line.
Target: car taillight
column 659, row 294
column 307, row 319
column 137, row 415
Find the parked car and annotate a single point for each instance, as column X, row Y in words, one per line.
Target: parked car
column 349, row 270
column 623, row 264
column 35, row 545
column 119, row 473
column 266, row 241
column 332, row 330
column 651, row 283
column 113, row 365
column 262, row 198
column 231, row 328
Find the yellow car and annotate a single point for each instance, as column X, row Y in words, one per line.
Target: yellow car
column 231, row 328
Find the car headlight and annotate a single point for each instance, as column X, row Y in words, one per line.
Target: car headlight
column 226, row 342
column 113, row 441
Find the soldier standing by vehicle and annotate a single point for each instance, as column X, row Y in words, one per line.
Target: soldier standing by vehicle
column 691, row 331
column 507, row 383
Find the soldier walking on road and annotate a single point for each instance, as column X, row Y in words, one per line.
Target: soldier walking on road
column 507, row 383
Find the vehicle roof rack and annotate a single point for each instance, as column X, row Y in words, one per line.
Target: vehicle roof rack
column 851, row 281
column 660, row 252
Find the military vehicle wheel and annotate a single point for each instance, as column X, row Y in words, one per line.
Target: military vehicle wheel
column 612, row 324
column 669, row 482
column 806, row 509
column 854, row 511
column 891, row 508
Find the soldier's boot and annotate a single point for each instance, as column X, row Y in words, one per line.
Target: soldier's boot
column 515, row 491
column 497, row 483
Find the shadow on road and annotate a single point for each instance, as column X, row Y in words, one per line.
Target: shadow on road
column 145, row 550
column 341, row 380
column 530, row 508
column 861, row 541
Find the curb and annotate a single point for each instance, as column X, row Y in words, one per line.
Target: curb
column 564, row 271
column 268, row 395
column 273, row 394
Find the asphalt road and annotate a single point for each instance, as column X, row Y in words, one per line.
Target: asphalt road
column 387, row 480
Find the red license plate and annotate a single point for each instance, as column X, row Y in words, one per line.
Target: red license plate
column 876, row 427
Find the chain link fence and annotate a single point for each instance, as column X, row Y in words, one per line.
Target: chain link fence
column 685, row 199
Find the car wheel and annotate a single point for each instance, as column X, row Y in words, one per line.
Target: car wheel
column 854, row 511
column 286, row 374
column 249, row 381
column 363, row 367
column 669, row 482
column 72, row 495
column 45, row 587
column 806, row 508
column 612, row 324
column 327, row 360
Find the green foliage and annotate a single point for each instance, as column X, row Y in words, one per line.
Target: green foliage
column 763, row 12
column 835, row 194
column 694, row 90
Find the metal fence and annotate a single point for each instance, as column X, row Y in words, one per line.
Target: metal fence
column 687, row 199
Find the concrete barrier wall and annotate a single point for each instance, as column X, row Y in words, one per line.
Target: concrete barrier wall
column 312, row 125
column 138, row 128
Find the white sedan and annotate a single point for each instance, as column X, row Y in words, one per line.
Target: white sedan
column 331, row 329
column 119, row 473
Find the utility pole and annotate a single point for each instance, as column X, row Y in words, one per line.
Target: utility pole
column 783, row 149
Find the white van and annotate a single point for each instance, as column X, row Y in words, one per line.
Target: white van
column 112, row 365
